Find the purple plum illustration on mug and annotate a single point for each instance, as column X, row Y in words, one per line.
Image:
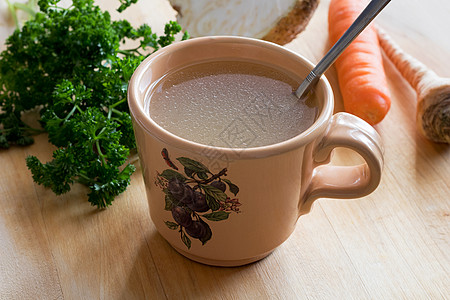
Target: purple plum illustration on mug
column 195, row 197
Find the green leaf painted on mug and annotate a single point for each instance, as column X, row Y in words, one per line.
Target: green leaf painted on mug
column 189, row 172
column 213, row 196
column 212, row 203
column 207, row 235
column 170, row 201
column 197, row 177
column 233, row 188
column 203, row 176
column 186, row 240
column 193, row 165
column 217, row 216
column 214, row 192
column 171, row 225
column 170, row 174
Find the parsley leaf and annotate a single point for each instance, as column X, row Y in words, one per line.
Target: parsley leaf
column 68, row 63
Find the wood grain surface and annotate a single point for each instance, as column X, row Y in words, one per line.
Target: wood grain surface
column 392, row 244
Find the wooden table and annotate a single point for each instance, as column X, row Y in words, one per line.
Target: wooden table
column 393, row 244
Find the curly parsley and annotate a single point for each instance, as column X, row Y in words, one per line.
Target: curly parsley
column 67, row 62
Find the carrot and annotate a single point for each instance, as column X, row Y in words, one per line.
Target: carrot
column 361, row 76
column 433, row 92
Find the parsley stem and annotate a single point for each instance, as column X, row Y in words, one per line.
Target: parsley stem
column 26, row 8
column 37, row 130
column 13, row 13
column 111, row 108
column 56, row 7
column 99, row 135
column 117, row 103
column 99, row 150
column 25, row 128
column 117, row 111
column 130, row 52
column 71, row 113
column 84, row 179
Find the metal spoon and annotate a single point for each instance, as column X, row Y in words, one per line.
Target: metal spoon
column 368, row 14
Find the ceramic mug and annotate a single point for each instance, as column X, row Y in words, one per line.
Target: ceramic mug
column 263, row 190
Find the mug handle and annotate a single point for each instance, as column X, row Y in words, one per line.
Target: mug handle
column 320, row 179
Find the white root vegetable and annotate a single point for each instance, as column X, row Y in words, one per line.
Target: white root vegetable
column 433, row 92
column 278, row 21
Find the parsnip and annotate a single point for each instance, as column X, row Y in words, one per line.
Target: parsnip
column 433, row 92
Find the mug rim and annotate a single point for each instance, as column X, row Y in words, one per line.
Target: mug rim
column 144, row 120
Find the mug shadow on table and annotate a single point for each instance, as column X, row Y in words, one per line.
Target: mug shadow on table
column 180, row 277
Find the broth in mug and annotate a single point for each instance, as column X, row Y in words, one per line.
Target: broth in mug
column 234, row 104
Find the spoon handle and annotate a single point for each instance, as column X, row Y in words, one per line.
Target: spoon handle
column 367, row 15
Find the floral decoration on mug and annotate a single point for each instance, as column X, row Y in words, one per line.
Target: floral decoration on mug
column 196, row 197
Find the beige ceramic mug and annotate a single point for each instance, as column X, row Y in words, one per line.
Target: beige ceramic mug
column 263, row 190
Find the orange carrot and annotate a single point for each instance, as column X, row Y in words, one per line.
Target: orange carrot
column 361, row 76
